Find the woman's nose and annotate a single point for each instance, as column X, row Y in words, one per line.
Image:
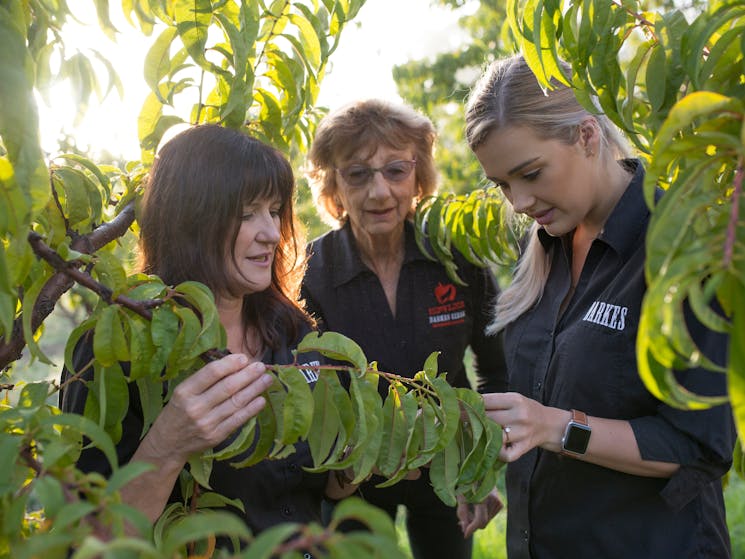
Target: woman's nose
column 269, row 231
column 378, row 186
column 521, row 201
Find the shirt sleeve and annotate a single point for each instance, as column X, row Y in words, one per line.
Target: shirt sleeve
column 488, row 362
column 700, row 441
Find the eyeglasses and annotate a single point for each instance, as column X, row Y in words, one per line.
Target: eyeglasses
column 395, row 171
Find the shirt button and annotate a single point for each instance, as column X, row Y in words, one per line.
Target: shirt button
column 525, row 535
column 293, row 467
column 538, row 385
column 287, row 511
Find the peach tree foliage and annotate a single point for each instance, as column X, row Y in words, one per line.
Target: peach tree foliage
column 674, row 83
column 67, row 221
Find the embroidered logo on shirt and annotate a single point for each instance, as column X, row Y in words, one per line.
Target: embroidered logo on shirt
column 449, row 311
column 444, row 293
column 605, row 314
column 310, row 375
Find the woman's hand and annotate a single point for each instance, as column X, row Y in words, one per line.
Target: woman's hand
column 209, row 405
column 526, row 424
column 204, row 409
column 474, row 517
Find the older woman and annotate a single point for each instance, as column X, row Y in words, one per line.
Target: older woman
column 369, row 164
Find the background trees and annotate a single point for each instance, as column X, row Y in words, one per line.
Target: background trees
column 669, row 76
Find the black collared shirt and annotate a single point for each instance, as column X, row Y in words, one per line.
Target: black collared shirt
column 585, row 358
column 432, row 312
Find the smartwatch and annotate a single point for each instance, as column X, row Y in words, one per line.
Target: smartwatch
column 576, row 435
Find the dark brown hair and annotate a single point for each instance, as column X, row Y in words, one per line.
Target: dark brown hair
column 190, row 216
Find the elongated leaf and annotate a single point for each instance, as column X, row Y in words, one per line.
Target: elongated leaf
column 203, row 525
column 88, row 428
column 29, row 301
column 396, row 427
column 201, row 468
column 443, row 473
column 325, row 425
column 736, row 367
column 158, row 61
column 298, row 405
column 334, row 346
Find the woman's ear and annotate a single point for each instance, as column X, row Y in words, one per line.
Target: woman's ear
column 589, row 136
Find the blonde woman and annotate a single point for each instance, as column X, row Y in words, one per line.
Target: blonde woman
column 597, row 466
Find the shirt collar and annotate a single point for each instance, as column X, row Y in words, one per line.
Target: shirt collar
column 349, row 262
column 627, row 220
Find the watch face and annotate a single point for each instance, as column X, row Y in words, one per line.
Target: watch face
column 577, row 438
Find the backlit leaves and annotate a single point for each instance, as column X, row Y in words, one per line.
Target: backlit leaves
column 675, row 86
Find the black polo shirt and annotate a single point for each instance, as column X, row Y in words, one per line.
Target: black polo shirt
column 272, row 491
column 586, row 359
column 432, row 312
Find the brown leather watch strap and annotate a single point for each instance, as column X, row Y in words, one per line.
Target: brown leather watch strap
column 579, row 417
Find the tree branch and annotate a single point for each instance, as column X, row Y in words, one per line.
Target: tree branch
column 61, row 282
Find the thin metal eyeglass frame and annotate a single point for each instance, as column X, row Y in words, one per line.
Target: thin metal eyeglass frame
column 370, row 172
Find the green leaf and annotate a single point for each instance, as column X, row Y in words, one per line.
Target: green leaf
column 141, row 346
column 71, row 513
column 200, row 526
column 265, row 544
column 309, row 40
column 109, row 397
column 242, row 441
column 374, row 518
column 685, row 111
column 127, row 473
column 193, row 19
column 85, row 426
column 267, row 429
column 50, row 494
column 29, row 301
column 367, row 435
column 736, row 366
column 158, row 61
column 151, row 399
column 201, row 468
column 164, row 330
column 396, row 429
column 335, row 346
column 19, row 127
column 298, row 405
column 325, row 424
column 107, row 335
column 443, row 473
column 9, row 449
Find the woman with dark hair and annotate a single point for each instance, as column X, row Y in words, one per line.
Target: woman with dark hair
column 218, row 209
column 598, row 467
column 369, row 164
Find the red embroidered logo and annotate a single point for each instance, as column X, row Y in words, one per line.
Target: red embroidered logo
column 444, row 293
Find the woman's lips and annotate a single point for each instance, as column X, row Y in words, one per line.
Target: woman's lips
column 542, row 218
